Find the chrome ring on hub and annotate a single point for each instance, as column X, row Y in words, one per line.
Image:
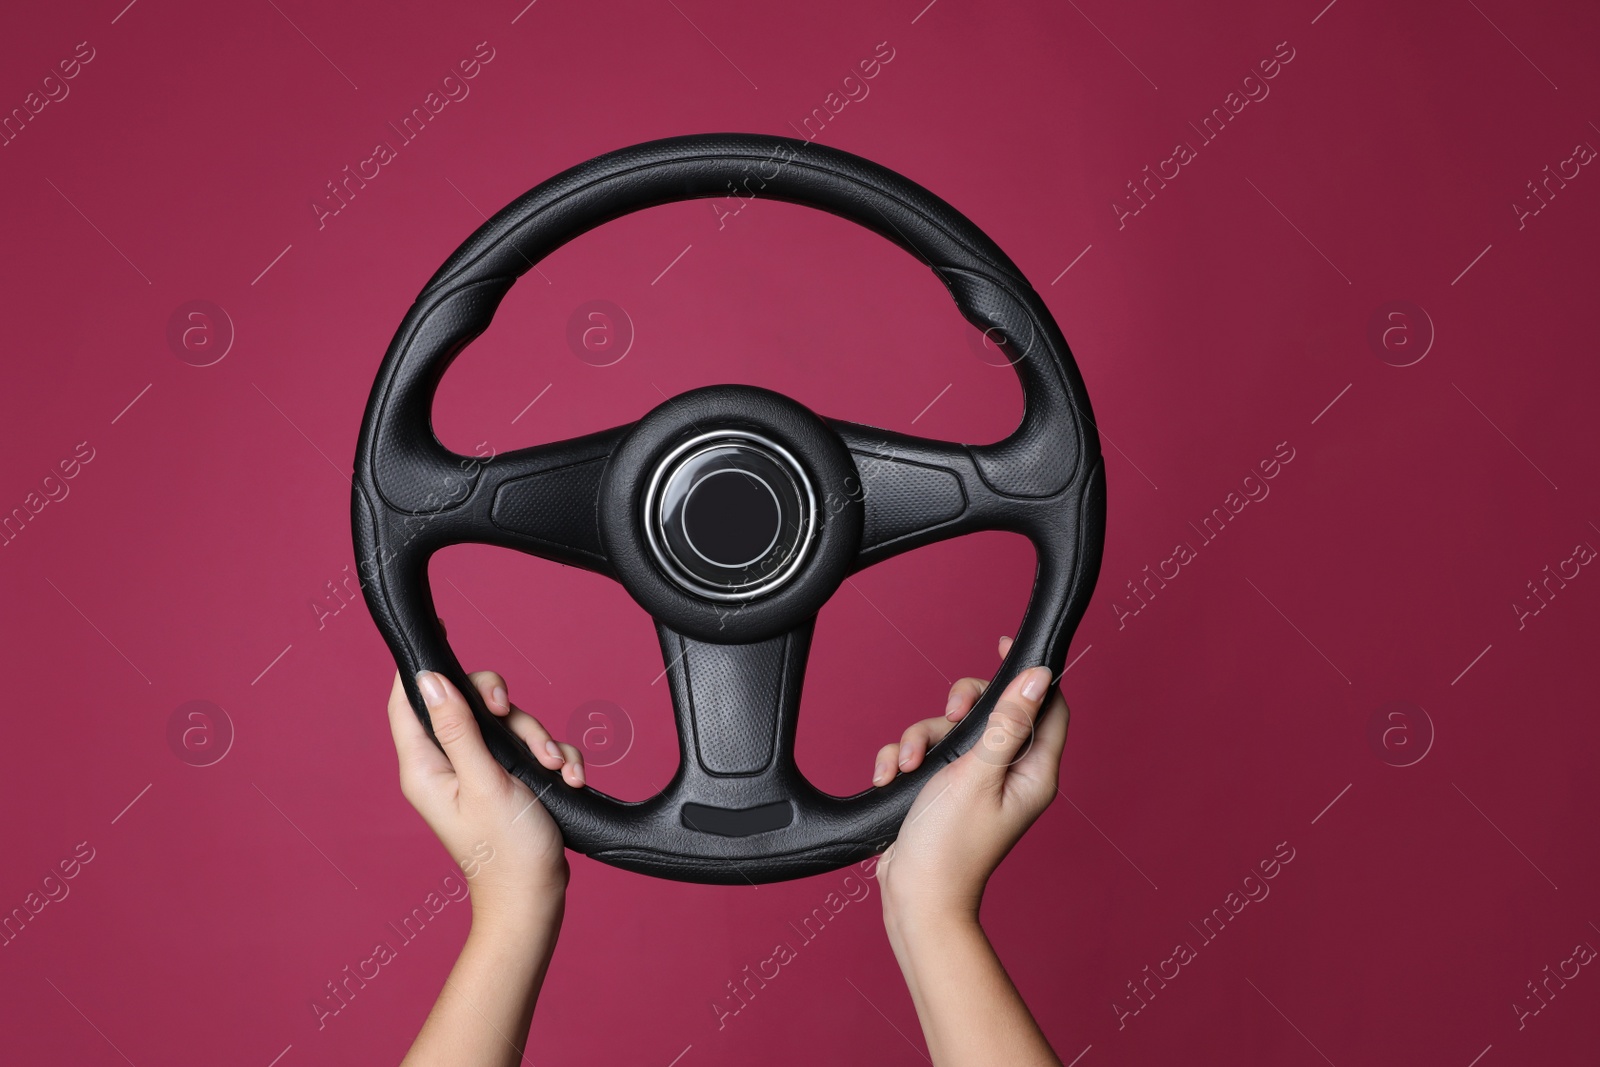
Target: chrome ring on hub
column 685, row 471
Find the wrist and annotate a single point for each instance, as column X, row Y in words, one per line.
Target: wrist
column 919, row 919
column 521, row 918
column 933, row 945
column 926, row 906
column 531, row 933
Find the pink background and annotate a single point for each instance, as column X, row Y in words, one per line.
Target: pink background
column 1232, row 713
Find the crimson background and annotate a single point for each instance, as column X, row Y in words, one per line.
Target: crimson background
column 1230, row 714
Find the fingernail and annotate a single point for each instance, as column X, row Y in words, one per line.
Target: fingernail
column 905, row 754
column 499, row 696
column 555, row 751
column 577, row 774
column 878, row 772
column 432, row 691
column 1038, row 681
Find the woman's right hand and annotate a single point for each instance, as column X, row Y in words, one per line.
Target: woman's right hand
column 492, row 824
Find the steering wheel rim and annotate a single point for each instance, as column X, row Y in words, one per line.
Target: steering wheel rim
column 738, row 810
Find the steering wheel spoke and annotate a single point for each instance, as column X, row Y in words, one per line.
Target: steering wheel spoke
column 917, row 491
column 540, row 500
column 735, row 706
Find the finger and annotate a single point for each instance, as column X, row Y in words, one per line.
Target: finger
column 492, row 688
column 883, row 768
column 1011, row 724
column 963, row 695
column 918, row 738
column 418, row 755
column 536, row 737
column 1043, row 760
column 572, row 769
column 1005, row 647
column 457, row 731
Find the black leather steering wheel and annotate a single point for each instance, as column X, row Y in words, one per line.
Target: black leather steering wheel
column 730, row 513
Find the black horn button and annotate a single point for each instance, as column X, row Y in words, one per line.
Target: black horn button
column 729, row 515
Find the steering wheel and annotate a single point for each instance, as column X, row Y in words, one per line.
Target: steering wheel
column 730, row 513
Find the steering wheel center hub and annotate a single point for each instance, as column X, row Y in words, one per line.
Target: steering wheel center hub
column 729, row 515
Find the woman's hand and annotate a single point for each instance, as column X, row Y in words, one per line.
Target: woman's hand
column 970, row 814
column 961, row 826
column 511, row 853
column 493, row 826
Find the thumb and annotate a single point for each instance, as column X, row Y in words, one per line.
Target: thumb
column 1009, row 730
column 457, row 732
